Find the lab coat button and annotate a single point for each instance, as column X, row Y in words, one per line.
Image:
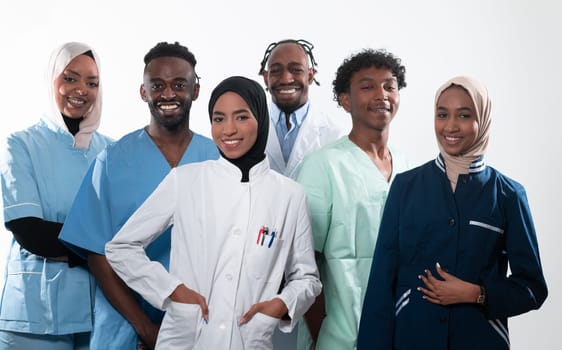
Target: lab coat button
column 236, row 232
column 228, row 277
column 452, row 222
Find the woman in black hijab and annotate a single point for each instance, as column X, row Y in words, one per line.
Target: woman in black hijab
column 254, row 96
column 238, row 229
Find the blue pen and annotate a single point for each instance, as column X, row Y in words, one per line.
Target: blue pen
column 271, row 239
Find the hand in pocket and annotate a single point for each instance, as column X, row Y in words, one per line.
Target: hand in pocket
column 274, row 308
column 184, row 295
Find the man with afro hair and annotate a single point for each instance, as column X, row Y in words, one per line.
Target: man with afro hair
column 347, row 183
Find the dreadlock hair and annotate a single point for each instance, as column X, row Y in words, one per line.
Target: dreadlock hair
column 305, row 45
column 365, row 59
column 164, row 49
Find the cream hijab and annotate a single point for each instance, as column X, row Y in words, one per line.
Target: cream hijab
column 60, row 58
column 460, row 164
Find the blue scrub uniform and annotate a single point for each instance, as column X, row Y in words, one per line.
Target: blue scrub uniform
column 118, row 182
column 41, row 173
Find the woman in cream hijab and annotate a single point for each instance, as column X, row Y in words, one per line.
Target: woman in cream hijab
column 450, row 229
column 46, row 301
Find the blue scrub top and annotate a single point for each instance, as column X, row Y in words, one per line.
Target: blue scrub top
column 118, row 182
column 41, row 172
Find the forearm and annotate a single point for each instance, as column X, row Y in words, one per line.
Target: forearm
column 117, row 292
column 314, row 317
column 317, row 311
column 40, row 237
column 303, row 281
column 300, row 290
column 511, row 296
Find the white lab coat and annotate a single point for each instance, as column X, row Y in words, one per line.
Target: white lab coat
column 216, row 252
column 317, row 130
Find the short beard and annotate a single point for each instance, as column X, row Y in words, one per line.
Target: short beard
column 289, row 108
column 170, row 125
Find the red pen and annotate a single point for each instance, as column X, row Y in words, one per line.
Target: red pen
column 259, row 235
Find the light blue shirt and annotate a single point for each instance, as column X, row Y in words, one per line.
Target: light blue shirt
column 118, row 182
column 41, row 173
column 286, row 136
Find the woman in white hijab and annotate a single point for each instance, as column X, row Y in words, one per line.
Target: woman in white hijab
column 46, row 301
column 439, row 278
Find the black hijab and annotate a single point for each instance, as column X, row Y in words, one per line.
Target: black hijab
column 254, row 95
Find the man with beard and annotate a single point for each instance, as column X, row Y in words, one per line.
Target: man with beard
column 297, row 128
column 119, row 181
column 288, row 68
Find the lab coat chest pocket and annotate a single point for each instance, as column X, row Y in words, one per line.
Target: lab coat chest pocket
column 265, row 261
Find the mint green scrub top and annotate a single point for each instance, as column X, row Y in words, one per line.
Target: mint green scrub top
column 346, row 194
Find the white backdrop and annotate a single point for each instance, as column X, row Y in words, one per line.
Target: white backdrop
column 511, row 46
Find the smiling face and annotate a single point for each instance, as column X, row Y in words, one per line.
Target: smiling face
column 288, row 76
column 76, row 88
column 373, row 99
column 169, row 88
column 233, row 125
column 456, row 125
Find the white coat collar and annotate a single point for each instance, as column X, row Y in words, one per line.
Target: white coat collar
column 258, row 170
column 308, row 138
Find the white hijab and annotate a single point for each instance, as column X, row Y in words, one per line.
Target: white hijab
column 460, row 164
column 60, row 58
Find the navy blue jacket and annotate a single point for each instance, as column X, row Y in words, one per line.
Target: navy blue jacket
column 473, row 233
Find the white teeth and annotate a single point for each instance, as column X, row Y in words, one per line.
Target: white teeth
column 231, row 142
column 290, row 91
column 168, row 107
column 378, row 110
column 76, row 101
column 449, row 138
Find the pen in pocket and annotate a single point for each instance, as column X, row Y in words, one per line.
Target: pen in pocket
column 271, row 239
